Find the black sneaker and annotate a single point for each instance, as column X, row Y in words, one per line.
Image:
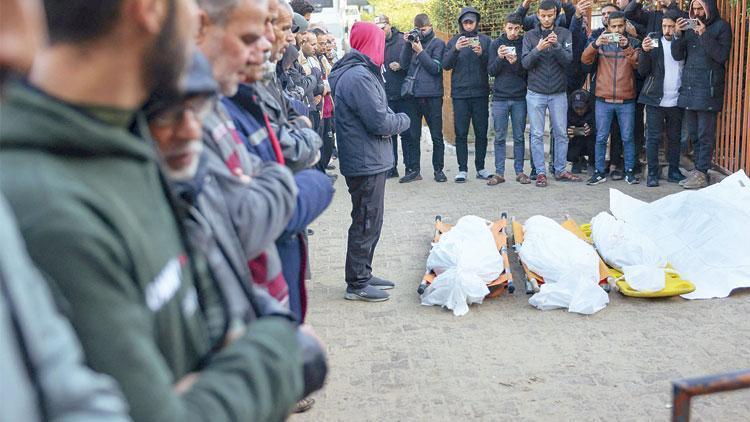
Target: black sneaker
column 532, row 175
column 440, row 176
column 675, row 177
column 380, row 283
column 596, row 179
column 410, row 177
column 630, row 178
column 577, row 167
column 330, row 166
column 616, row 174
column 652, row 181
column 367, row 294
column 392, row 173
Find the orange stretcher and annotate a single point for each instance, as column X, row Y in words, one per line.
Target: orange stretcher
column 534, row 280
column 499, row 230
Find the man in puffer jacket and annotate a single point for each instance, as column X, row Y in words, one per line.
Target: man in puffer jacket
column 615, row 92
column 467, row 55
column 365, row 125
column 705, row 50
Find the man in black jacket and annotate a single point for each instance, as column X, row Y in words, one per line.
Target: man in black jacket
column 508, row 98
column 423, row 60
column 663, row 76
column 394, row 78
column 466, row 55
column 581, row 130
column 365, row 125
column 547, row 52
column 705, row 49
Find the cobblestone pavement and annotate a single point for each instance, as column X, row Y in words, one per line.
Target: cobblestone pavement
column 401, row 361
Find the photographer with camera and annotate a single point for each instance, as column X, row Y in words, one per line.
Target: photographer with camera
column 547, row 52
column 466, row 55
column 660, row 94
column 422, row 57
column 704, row 42
column 616, row 58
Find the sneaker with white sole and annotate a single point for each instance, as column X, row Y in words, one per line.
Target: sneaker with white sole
column 380, row 283
column 460, row 177
column 484, row 174
column 367, row 294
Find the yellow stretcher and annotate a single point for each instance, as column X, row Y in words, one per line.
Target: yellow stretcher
column 533, row 280
column 674, row 286
column 499, row 230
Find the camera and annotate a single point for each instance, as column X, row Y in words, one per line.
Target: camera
column 692, row 23
column 413, row 35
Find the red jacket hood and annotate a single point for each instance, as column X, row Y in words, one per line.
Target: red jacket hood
column 369, row 40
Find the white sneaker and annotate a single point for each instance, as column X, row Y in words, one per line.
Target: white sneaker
column 460, row 177
column 484, row 174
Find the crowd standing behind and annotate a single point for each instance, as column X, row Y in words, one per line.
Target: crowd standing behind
column 164, row 190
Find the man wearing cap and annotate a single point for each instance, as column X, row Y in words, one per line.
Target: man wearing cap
column 422, row 58
column 581, row 130
column 365, row 125
column 467, row 54
column 394, row 78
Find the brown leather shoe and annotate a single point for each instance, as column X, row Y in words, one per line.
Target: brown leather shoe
column 523, row 179
column 495, row 179
column 567, row 176
column 541, row 180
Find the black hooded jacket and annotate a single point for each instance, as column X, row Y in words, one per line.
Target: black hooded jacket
column 469, row 77
column 427, row 66
column 393, row 80
column 703, row 76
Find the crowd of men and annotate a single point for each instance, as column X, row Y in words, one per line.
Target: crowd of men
column 156, row 198
column 650, row 74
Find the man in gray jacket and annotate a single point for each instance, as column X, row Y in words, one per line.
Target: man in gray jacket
column 547, row 52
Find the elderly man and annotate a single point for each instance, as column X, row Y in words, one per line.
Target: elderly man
column 141, row 303
column 365, row 125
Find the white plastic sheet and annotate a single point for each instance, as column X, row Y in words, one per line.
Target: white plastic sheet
column 705, row 234
column 624, row 247
column 569, row 265
column 465, row 260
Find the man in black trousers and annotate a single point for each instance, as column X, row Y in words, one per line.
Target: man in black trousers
column 365, row 125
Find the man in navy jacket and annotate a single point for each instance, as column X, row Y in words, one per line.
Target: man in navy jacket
column 423, row 60
column 467, row 54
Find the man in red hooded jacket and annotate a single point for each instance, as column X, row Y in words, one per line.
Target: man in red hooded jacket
column 364, row 125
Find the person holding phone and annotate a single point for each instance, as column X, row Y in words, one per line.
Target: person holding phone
column 508, row 98
column 467, row 54
column 705, row 49
column 547, row 52
column 659, row 94
column 581, row 133
column 616, row 58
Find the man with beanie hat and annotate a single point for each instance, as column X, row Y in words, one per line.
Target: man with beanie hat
column 365, row 125
column 705, row 50
column 422, row 57
column 467, row 54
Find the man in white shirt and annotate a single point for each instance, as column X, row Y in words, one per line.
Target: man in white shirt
column 660, row 92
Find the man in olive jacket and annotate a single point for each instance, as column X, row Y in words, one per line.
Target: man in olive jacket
column 98, row 221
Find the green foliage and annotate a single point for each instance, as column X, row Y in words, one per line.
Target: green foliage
column 400, row 12
column 444, row 14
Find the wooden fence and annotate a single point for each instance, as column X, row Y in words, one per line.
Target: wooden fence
column 733, row 129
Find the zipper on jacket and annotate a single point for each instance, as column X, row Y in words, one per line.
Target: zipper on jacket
column 614, row 79
column 711, row 82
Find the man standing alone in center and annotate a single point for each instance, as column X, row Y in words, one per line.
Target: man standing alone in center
column 365, row 125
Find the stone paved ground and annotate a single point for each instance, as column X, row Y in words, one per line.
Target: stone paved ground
column 401, row 361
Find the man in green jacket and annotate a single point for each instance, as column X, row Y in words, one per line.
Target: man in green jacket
column 98, row 221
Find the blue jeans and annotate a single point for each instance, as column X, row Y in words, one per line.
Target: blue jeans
column 537, row 105
column 605, row 113
column 516, row 110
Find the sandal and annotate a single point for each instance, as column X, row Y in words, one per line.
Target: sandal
column 523, row 179
column 303, row 405
column 495, row 179
column 541, row 180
